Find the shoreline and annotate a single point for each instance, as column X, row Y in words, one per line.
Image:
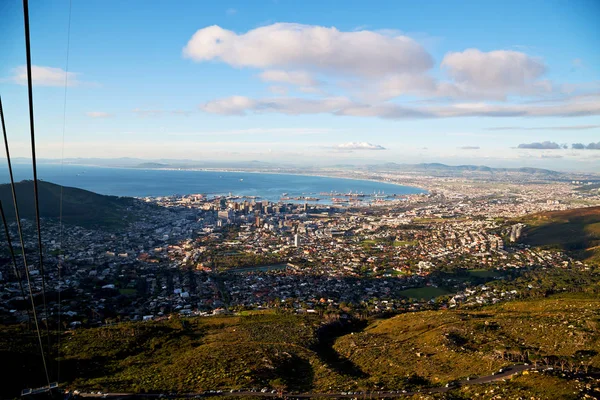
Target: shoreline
column 296, row 174
column 307, row 174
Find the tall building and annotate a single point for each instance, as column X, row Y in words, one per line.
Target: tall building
column 297, row 240
column 225, row 214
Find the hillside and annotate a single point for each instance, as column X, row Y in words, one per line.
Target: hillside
column 441, row 346
column 79, row 207
column 306, row 354
column 575, row 231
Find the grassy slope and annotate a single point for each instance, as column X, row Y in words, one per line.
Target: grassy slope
column 576, row 231
column 209, row 353
column 80, row 207
column 254, row 351
column 444, row 345
column 530, row 386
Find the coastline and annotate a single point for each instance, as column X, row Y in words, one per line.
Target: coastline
column 319, row 175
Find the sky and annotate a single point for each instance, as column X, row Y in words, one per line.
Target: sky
column 511, row 83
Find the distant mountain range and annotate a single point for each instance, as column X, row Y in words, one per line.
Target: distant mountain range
column 435, row 169
column 254, row 164
column 461, row 168
column 79, row 207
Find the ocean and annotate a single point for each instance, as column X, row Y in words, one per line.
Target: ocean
column 135, row 182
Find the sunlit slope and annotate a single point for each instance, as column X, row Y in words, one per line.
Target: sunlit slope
column 199, row 354
column 529, row 386
column 291, row 352
column 575, row 231
column 440, row 346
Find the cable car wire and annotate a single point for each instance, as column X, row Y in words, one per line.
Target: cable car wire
column 34, row 161
column 14, row 259
column 60, row 213
column 23, row 253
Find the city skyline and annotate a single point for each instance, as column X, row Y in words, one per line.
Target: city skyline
column 500, row 85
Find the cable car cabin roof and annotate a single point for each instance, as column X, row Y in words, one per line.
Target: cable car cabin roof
column 41, row 391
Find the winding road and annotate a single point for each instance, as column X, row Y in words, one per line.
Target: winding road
column 506, row 373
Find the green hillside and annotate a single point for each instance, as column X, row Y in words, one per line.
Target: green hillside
column 79, row 207
column 441, row 346
column 575, row 231
column 309, row 354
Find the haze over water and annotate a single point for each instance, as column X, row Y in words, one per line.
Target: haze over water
column 153, row 182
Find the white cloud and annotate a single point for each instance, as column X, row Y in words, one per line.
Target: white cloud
column 287, row 45
column 311, row 90
column 299, row 78
column 239, row 105
column 364, row 70
column 498, row 72
column 473, row 74
column 359, row 146
column 231, row 11
column 278, row 90
column 402, row 85
column 544, row 128
column 98, row 114
column 394, row 111
column 45, row 76
column 234, row 105
column 260, row 131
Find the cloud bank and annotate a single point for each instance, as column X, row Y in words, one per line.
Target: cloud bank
column 288, row 45
column 593, row 146
column 45, row 76
column 544, row 128
column 497, row 72
column 359, row 146
column 98, row 114
column 344, row 106
column 380, row 73
column 540, row 146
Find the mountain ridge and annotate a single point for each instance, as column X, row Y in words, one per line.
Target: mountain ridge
column 79, row 206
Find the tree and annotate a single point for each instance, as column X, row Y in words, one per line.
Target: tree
column 562, row 361
column 279, row 385
column 584, row 357
column 535, row 359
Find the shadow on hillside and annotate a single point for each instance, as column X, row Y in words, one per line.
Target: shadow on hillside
column 297, row 373
column 94, row 367
column 327, row 335
column 21, row 371
column 75, row 206
column 575, row 236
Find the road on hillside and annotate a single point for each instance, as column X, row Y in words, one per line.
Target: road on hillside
column 506, row 373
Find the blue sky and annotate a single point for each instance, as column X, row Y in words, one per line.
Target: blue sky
column 309, row 82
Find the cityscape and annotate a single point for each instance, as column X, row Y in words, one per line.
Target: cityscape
column 462, row 243
column 300, row 200
column 196, row 255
